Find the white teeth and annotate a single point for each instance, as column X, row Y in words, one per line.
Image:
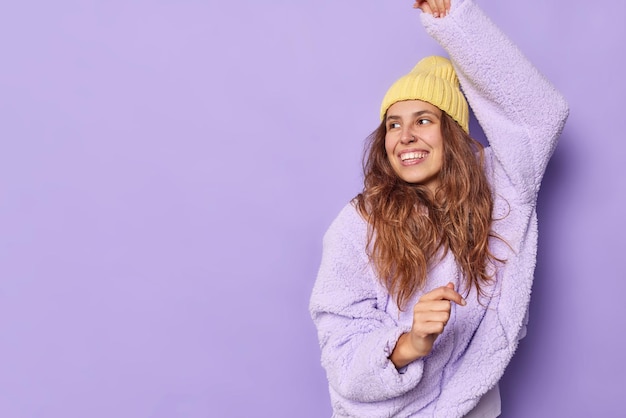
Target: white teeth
column 412, row 156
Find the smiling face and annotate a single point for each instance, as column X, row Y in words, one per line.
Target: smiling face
column 414, row 143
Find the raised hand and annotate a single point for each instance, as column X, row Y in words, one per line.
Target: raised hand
column 437, row 8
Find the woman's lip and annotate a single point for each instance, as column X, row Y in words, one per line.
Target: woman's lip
column 408, row 163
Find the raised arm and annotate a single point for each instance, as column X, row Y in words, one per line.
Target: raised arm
column 521, row 113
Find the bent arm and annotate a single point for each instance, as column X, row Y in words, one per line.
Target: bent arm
column 356, row 335
column 521, row 113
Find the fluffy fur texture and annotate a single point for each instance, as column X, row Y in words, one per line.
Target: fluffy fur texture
column 359, row 323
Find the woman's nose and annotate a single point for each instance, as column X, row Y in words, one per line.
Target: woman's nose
column 408, row 138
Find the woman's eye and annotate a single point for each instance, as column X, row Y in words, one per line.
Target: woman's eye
column 423, row 121
column 394, row 125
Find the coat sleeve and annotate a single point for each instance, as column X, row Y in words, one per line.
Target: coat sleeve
column 521, row 113
column 356, row 335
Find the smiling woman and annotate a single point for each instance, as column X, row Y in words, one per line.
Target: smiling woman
column 413, row 142
column 424, row 285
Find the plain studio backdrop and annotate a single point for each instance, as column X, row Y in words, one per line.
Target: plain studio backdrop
column 168, row 169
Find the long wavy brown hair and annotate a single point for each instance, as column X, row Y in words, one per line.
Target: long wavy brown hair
column 408, row 226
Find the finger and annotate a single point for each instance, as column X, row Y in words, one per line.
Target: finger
column 421, row 318
column 435, row 324
column 450, row 285
column 447, row 7
column 438, row 7
column 432, row 306
column 428, row 328
column 423, row 6
column 439, row 293
column 444, row 293
column 434, row 8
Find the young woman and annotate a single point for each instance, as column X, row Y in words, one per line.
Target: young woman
column 425, row 279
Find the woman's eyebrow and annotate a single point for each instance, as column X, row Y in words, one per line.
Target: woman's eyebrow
column 414, row 114
column 424, row 112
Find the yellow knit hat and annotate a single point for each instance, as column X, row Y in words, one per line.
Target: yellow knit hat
column 432, row 80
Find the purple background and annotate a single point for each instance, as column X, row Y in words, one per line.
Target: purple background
column 168, row 169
